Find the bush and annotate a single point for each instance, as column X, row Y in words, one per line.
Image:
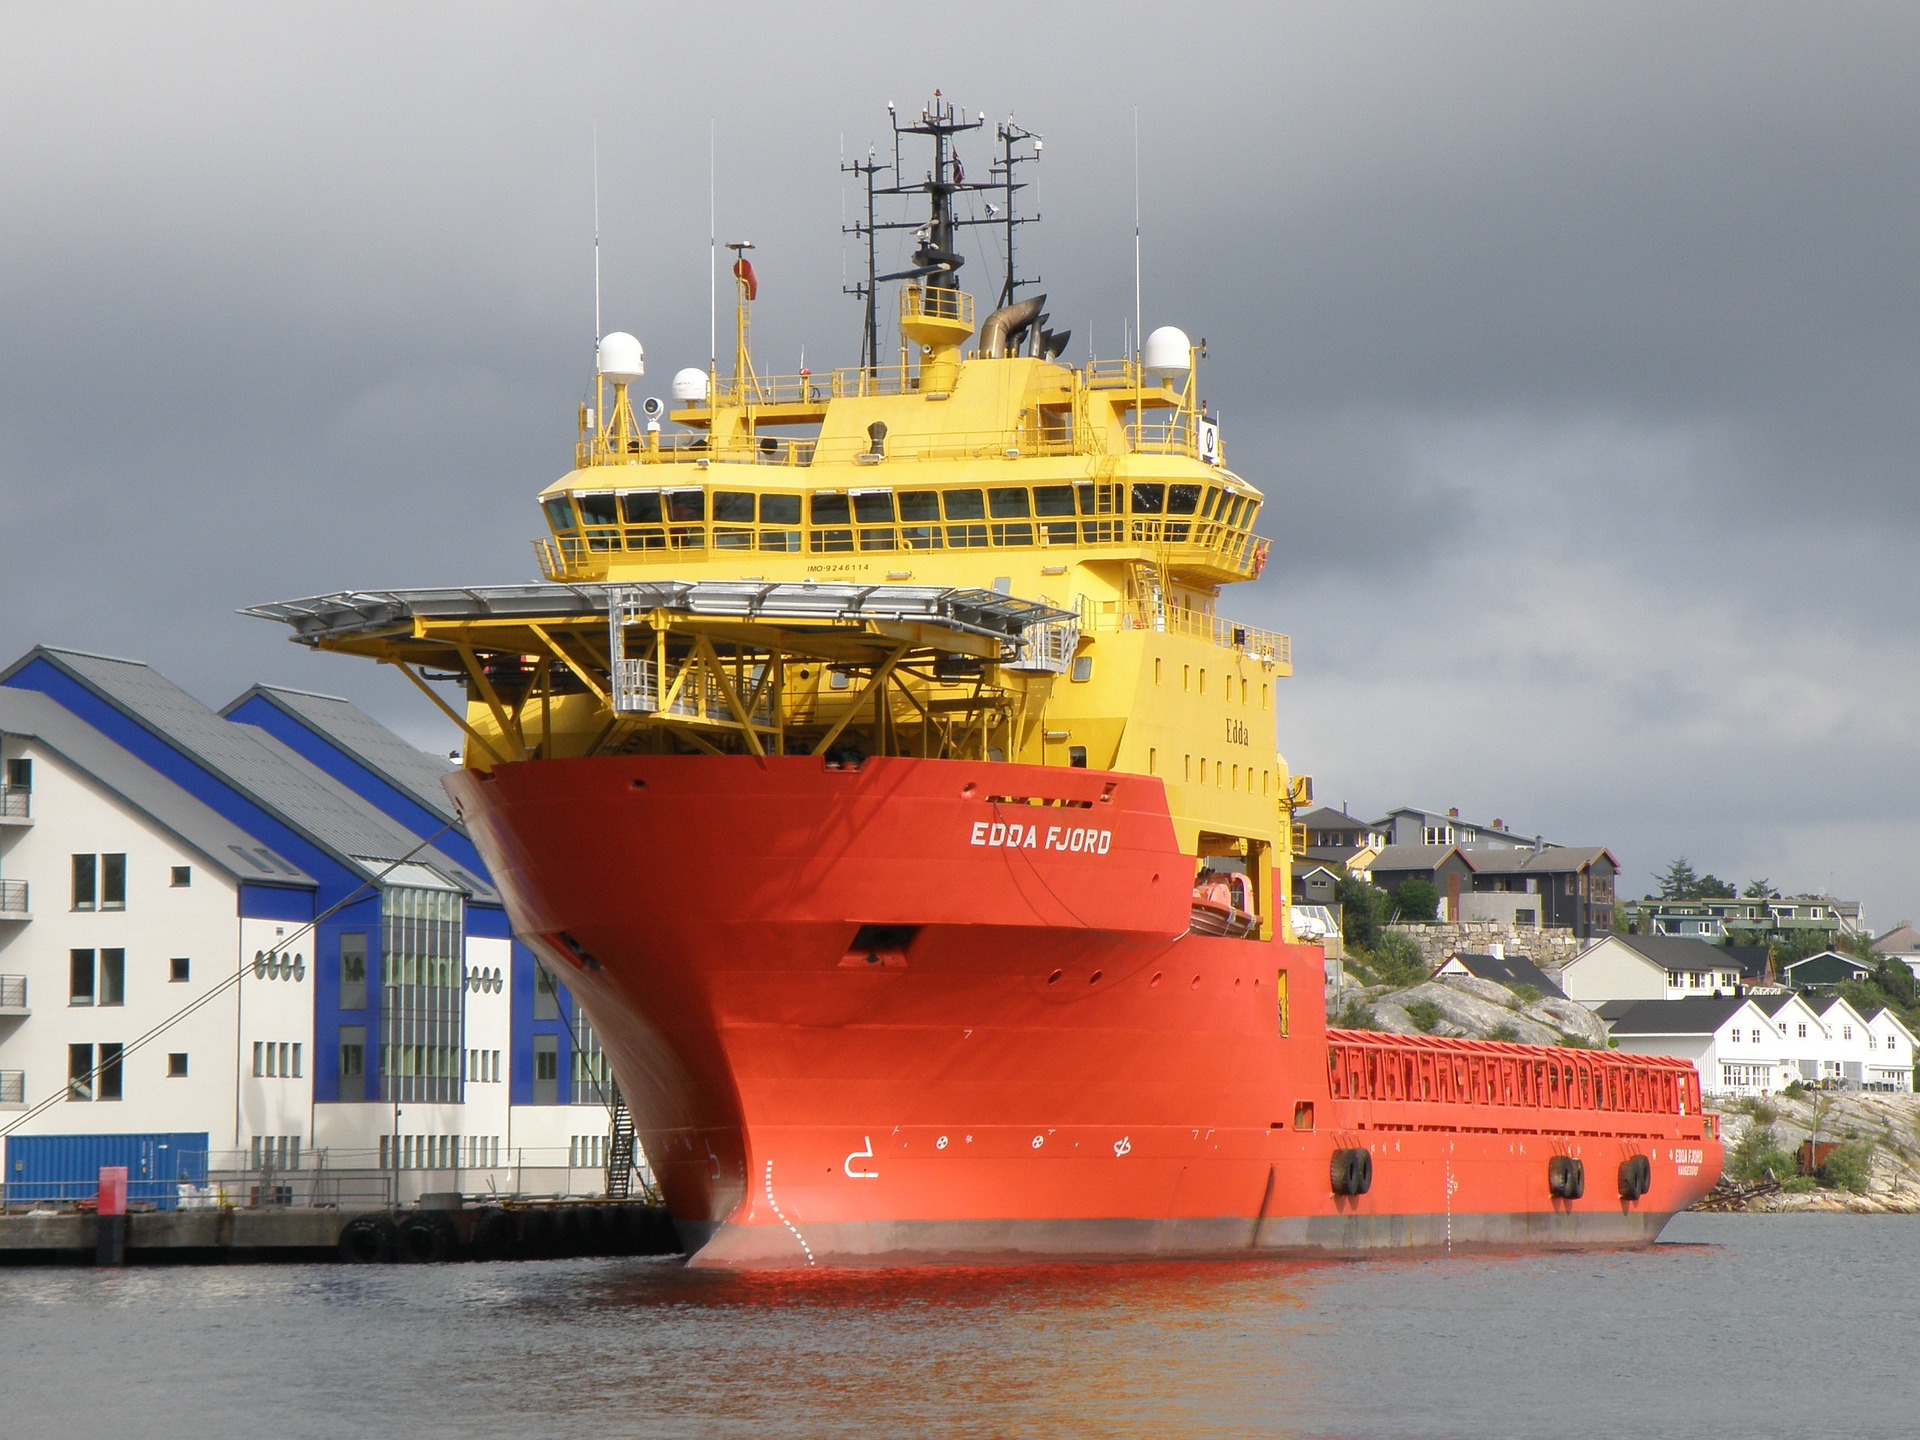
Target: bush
column 1525, row 994
column 1363, row 910
column 1354, row 1016
column 1425, row 1014
column 1762, row 1112
column 1397, row 960
column 1849, row 1167
column 1575, row 1042
column 1756, row 1156
column 1795, row 1090
column 1505, row 1031
column 1799, row 1184
column 1417, row 901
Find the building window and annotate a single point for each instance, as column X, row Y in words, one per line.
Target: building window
column 182, row 876
column 113, row 977
column 353, row 1063
column 79, row 1072
column 178, row 969
column 353, row 972
column 20, row 775
column 546, row 994
column 109, row 1071
column 80, row 977
column 113, row 882
column 177, row 1065
column 546, row 1069
column 86, row 882
column 1803, row 1030
column 1846, row 1032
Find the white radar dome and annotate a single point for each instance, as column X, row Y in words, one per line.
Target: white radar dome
column 690, row 385
column 1168, row 353
column 620, row 358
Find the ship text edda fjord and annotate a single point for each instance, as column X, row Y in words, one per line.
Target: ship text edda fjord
column 877, row 765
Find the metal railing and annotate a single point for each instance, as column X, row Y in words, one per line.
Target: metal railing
column 1268, row 646
column 13, row 897
column 1184, row 543
column 15, row 803
column 1426, row 1069
column 13, row 992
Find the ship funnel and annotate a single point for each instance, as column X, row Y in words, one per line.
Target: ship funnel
column 1000, row 336
column 620, row 358
column 1168, row 354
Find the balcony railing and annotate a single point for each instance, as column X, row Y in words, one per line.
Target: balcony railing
column 13, row 1087
column 15, row 803
column 1267, row 646
column 13, row 899
column 13, row 992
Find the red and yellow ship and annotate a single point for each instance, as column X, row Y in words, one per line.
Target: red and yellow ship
column 878, row 770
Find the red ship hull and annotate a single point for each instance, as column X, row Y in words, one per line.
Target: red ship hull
column 945, row 1010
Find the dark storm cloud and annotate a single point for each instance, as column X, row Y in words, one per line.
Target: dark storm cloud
column 1577, row 347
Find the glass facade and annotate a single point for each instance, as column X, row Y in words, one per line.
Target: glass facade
column 422, row 1024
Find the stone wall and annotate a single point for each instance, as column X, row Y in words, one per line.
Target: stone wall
column 1549, row 949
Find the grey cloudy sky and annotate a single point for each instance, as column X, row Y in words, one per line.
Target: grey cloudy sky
column 1576, row 346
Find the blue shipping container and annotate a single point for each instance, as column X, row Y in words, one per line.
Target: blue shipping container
column 41, row 1168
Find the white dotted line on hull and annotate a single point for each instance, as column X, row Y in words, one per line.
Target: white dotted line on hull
column 781, row 1217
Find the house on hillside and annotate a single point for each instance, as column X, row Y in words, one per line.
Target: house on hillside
column 1570, row 888
column 1843, row 1060
column 1503, row 969
column 1890, row 1053
column 1824, row 971
column 1901, row 943
column 1443, row 866
column 1412, row 826
column 1330, row 829
column 1316, row 883
column 1728, row 1037
column 1647, row 967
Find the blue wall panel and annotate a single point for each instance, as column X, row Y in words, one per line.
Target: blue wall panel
column 41, row 1168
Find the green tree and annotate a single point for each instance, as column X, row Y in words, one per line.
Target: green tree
column 1363, row 910
column 1418, row 902
column 1849, row 1167
column 1397, row 959
column 1711, row 887
column 1756, row 1156
column 1677, row 880
column 1761, row 889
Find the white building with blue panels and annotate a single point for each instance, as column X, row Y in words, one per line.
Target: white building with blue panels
column 265, row 926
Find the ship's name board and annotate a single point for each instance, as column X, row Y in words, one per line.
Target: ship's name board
column 1068, row 839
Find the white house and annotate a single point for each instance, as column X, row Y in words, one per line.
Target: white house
column 1890, row 1053
column 1729, row 1038
column 1648, row 967
column 1901, row 943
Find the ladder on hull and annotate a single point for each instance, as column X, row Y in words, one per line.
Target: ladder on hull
column 620, row 1150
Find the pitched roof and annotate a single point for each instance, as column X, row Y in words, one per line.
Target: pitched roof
column 1776, row 1001
column 1415, row 857
column 1902, row 939
column 358, row 734
column 273, row 776
column 1827, row 960
column 1328, row 818
column 1673, row 952
column 218, row 840
column 1509, row 970
column 1753, row 960
column 1693, row 1015
column 1553, row 860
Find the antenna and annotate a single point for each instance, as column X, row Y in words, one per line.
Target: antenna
column 713, row 255
column 1136, row 231
column 596, row 232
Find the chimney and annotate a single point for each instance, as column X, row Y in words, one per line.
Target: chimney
column 1498, row 950
column 1453, row 814
column 1499, row 824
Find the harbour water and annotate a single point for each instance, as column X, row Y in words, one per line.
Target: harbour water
column 1733, row 1326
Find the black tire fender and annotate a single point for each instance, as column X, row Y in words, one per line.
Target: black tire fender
column 1636, row 1177
column 495, row 1236
column 367, row 1240
column 426, row 1240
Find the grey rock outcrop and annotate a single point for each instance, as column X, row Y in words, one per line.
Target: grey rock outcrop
column 1471, row 1008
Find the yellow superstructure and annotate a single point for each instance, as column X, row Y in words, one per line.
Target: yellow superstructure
column 1091, row 504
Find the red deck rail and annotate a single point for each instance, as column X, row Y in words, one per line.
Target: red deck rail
column 1363, row 1065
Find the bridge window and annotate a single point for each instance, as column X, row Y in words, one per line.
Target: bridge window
column 641, row 507
column 1183, row 499
column 598, row 509
column 965, row 505
column 874, row 510
column 732, row 507
column 686, row 505
column 832, row 517
column 560, row 512
column 779, row 509
column 1149, row 499
column 1010, row 504
column 1055, row 500
column 922, row 506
